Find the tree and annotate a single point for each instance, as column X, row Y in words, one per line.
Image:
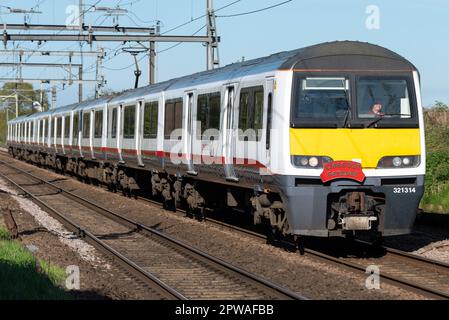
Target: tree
column 441, row 106
column 27, row 96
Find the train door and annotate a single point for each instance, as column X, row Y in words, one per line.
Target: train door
column 189, row 142
column 229, row 133
column 120, row 133
column 50, row 134
column 76, row 121
column 269, row 98
column 139, row 131
column 250, row 149
column 81, row 133
column 111, row 133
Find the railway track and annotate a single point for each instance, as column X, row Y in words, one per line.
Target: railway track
column 174, row 269
column 411, row 272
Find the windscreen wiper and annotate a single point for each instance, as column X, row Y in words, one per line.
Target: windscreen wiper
column 381, row 117
column 348, row 111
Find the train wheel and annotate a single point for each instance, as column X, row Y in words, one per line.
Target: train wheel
column 377, row 241
column 190, row 213
column 200, row 216
column 300, row 244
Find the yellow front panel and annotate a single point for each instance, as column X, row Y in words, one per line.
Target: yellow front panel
column 368, row 145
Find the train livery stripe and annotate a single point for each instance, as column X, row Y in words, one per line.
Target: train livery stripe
column 367, row 145
column 196, row 158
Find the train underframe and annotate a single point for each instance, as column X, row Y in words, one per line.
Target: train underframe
column 175, row 191
column 379, row 207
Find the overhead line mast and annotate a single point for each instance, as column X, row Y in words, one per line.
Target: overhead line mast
column 212, row 45
column 89, row 34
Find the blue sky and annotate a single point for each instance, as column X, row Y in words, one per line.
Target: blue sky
column 416, row 29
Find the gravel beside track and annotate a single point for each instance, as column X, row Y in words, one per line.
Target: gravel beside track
column 175, row 266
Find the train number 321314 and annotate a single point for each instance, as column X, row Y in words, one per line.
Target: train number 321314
column 404, row 190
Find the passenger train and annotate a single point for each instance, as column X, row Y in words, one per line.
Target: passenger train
column 326, row 140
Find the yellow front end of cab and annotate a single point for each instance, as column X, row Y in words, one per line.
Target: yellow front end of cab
column 365, row 145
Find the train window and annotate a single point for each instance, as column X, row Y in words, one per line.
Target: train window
column 243, row 111
column 321, row 99
column 269, row 116
column 215, row 109
column 208, row 112
column 169, row 119
column 258, row 110
column 114, row 123
column 41, row 128
column 59, row 127
column 75, row 129
column 387, row 98
column 47, row 127
column 98, row 124
column 66, row 126
column 150, row 120
column 178, row 115
column 173, row 116
column 129, row 121
column 52, row 127
column 86, row 125
column 251, row 113
column 202, row 112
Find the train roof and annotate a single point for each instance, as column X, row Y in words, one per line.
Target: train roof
column 89, row 104
column 347, row 55
column 337, row 55
column 331, row 56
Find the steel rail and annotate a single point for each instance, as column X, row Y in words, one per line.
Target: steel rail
column 404, row 283
column 161, row 287
column 151, row 232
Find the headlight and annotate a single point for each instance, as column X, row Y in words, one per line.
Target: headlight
column 313, row 162
column 399, row 162
column 310, row 162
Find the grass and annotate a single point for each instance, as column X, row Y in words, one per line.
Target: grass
column 20, row 278
column 4, row 235
column 436, row 196
column 437, row 203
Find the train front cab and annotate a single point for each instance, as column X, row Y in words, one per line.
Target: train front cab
column 332, row 121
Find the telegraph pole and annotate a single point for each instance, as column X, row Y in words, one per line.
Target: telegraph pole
column 151, row 58
column 89, row 34
column 212, row 45
column 81, row 15
column 53, row 97
column 99, row 54
column 119, row 34
column 80, row 84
